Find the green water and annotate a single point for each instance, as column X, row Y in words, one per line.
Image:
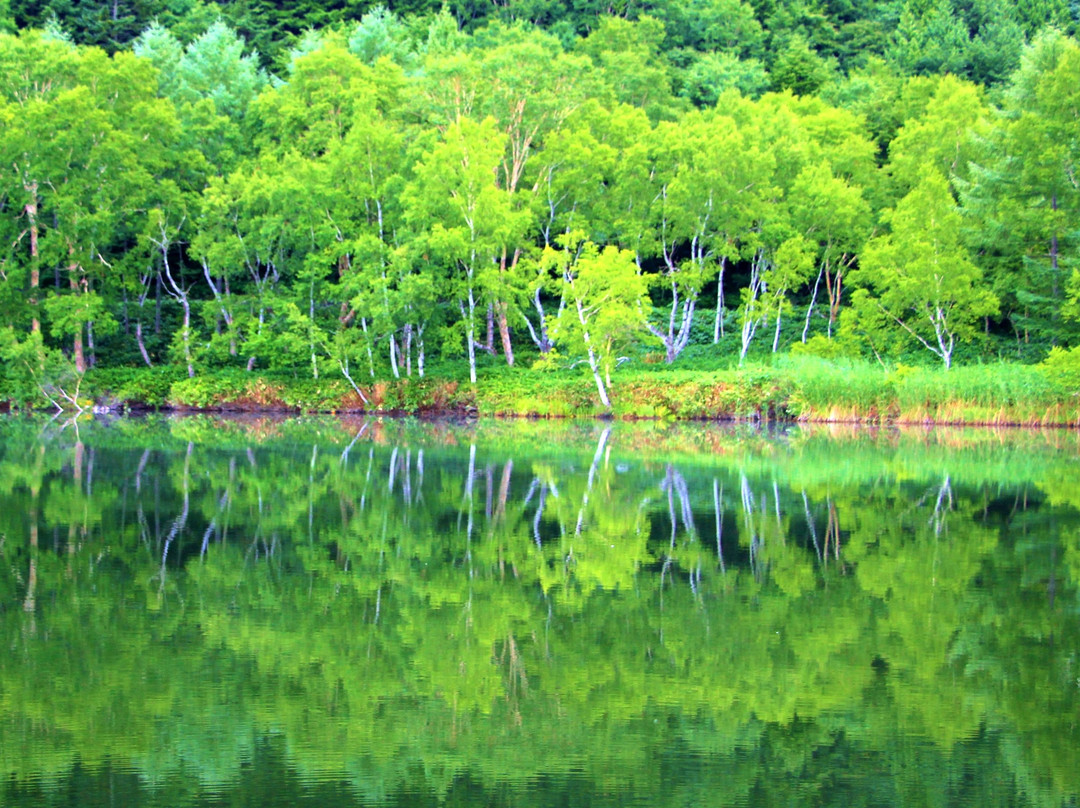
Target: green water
column 316, row 612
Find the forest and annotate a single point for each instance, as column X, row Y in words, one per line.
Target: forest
column 347, row 195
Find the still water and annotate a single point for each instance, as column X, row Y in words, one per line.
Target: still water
column 317, row 612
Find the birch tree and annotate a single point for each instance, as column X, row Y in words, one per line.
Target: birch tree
column 605, row 305
column 921, row 277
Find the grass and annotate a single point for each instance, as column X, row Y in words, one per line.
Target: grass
column 803, row 388
column 1001, row 393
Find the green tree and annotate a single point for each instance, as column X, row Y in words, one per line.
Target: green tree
column 931, row 37
column 831, row 213
column 800, row 69
column 605, row 305
column 578, row 167
column 710, row 75
column 470, row 219
column 214, row 66
column 921, row 275
column 85, row 156
column 380, row 33
column 530, row 88
column 945, row 135
column 1023, row 193
column 714, row 202
column 628, row 58
column 980, row 40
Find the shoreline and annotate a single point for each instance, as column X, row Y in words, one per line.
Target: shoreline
column 427, row 413
column 449, row 414
column 812, row 392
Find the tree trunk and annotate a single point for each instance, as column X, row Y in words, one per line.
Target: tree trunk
column 35, row 273
column 833, row 283
column 80, row 357
column 470, row 337
column 751, row 318
column 504, row 334
column 142, row 346
column 593, row 364
column 393, row 356
column 545, row 341
column 489, row 339
column 810, row 307
column 157, row 306
column 187, row 337
column 834, row 310
column 776, row 336
column 675, row 340
column 539, row 334
column 599, row 380
column 718, row 323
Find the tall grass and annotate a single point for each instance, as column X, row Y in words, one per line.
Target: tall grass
column 1001, row 393
column 804, row 388
column 837, row 390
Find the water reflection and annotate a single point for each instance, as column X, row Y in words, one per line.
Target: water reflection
column 199, row 611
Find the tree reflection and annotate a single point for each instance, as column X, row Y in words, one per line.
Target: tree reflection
column 412, row 607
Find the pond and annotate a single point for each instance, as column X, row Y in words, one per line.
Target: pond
column 322, row 612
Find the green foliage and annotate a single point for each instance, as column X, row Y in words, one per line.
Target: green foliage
column 922, row 275
column 19, row 359
column 7, row 22
column 605, row 305
column 981, row 41
column 712, row 74
column 35, row 376
column 1063, row 368
column 214, row 67
column 381, row 34
column 1021, row 197
column 141, row 387
column 799, row 69
column 383, row 205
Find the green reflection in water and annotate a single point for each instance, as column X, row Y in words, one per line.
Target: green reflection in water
column 323, row 612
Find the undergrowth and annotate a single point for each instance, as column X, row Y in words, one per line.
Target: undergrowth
column 807, row 388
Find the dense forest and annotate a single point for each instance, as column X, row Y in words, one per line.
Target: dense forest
column 350, row 191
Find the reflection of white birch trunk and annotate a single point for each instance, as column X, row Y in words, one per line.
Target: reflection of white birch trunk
column 504, row 489
column 356, row 437
column 592, row 476
column 718, row 496
column 943, row 504
column 811, row 524
column 467, row 497
column 419, row 475
column 181, row 520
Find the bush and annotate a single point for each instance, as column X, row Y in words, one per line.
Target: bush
column 134, row 386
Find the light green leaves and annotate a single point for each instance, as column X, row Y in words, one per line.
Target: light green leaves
column 922, row 276
column 606, row 305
